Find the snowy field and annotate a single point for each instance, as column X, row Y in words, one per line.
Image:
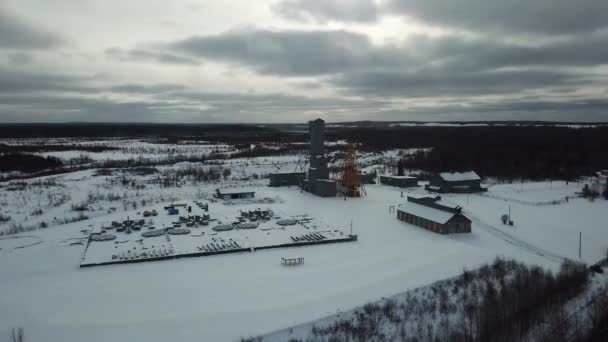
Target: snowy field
column 121, row 148
column 225, row 297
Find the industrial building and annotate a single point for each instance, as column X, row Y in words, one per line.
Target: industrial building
column 286, row 178
column 433, row 214
column 318, row 181
column 399, row 181
column 228, row 194
column 368, row 178
column 455, row 182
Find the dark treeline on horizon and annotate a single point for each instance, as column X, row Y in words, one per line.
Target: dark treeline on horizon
column 238, row 133
column 505, row 152
column 509, row 152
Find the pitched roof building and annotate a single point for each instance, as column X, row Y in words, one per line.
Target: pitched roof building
column 457, row 182
column 433, row 214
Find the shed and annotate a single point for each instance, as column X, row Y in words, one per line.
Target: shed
column 456, row 182
column 399, row 181
column 228, row 194
column 286, row 178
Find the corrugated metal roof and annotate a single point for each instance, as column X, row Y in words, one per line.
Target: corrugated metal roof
column 230, row 191
column 431, row 214
column 400, row 177
column 447, row 204
column 459, row 176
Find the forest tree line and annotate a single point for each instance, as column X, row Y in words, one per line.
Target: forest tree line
column 504, row 152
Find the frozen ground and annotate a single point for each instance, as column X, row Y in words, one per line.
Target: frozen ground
column 224, row 297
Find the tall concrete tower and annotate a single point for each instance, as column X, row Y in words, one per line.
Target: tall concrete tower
column 318, row 163
column 317, row 136
column 318, row 181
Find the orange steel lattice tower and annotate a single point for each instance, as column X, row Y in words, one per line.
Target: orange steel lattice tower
column 349, row 179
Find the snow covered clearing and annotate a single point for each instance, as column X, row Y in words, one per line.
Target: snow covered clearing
column 224, row 297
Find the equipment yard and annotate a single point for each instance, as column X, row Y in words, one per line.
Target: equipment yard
column 219, row 229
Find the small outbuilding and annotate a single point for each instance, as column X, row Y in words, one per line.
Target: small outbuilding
column 456, row 182
column 433, row 214
column 399, row 181
column 286, row 178
column 229, row 194
column 322, row 187
column 368, row 178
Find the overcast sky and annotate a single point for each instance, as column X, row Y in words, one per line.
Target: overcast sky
column 294, row 60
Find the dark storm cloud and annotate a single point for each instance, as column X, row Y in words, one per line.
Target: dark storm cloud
column 138, row 55
column 13, row 82
column 61, row 108
column 288, row 52
column 574, row 107
column 519, row 16
column 31, row 96
column 582, row 110
column 490, row 53
column 323, row 11
column 442, row 82
column 312, row 53
column 421, row 66
column 15, row 33
column 22, row 82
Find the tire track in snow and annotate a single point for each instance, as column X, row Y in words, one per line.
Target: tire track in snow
column 515, row 241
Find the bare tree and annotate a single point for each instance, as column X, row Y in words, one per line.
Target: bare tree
column 17, row 335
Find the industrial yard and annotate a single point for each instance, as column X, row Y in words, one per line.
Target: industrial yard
column 201, row 257
column 204, row 230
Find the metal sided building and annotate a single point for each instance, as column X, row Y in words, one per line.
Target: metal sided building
column 399, row 181
column 455, row 182
column 229, row 194
column 432, row 214
column 368, row 178
column 286, row 178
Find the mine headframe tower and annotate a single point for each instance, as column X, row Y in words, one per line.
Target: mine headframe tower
column 349, row 179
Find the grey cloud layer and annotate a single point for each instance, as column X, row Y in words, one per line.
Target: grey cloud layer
column 327, row 52
column 138, row 55
column 559, row 47
column 27, row 96
column 444, row 82
column 16, row 33
column 283, row 52
column 534, row 16
column 420, row 66
column 519, row 16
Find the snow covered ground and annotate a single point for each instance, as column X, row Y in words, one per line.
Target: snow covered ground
column 224, row 297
